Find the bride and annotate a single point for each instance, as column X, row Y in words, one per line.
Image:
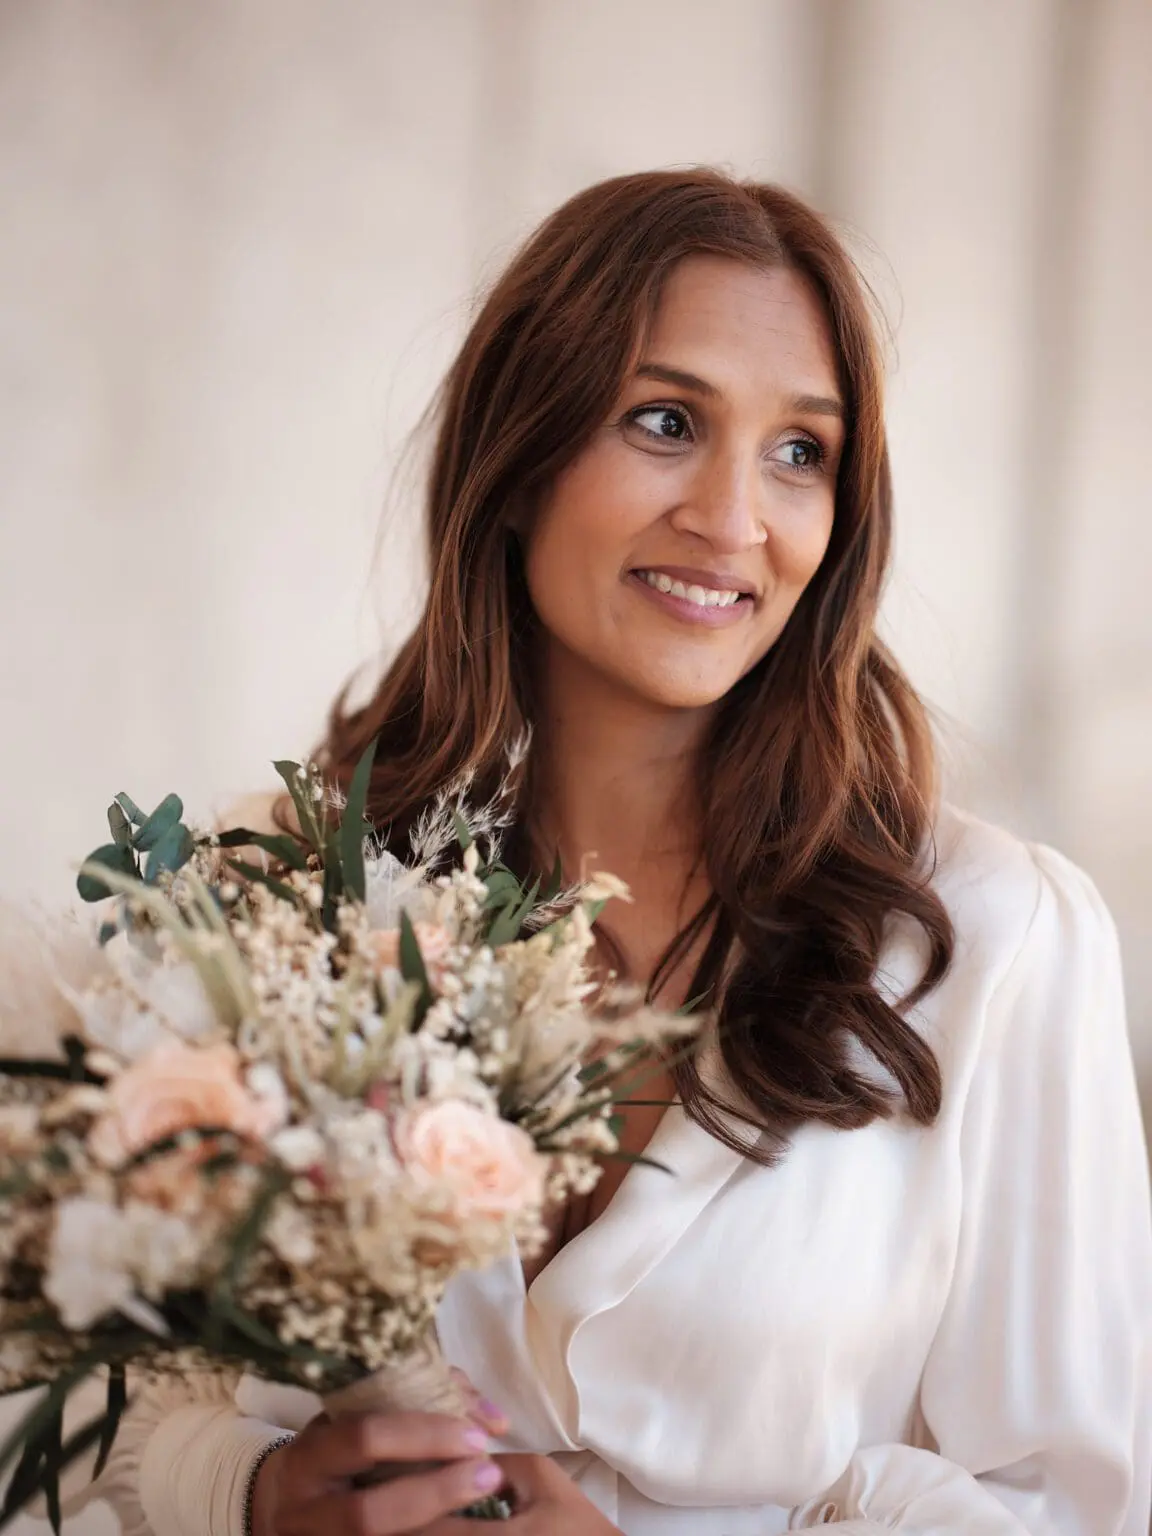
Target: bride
column 901, row 1277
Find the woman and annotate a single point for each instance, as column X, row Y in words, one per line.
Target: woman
column 901, row 1278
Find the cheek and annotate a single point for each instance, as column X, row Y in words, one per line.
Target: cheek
column 802, row 545
column 578, row 543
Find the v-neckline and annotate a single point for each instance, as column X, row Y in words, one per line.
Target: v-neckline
column 617, row 1193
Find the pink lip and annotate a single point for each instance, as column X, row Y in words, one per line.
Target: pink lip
column 691, row 613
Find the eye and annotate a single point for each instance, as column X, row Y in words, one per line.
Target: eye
column 802, row 455
column 668, row 422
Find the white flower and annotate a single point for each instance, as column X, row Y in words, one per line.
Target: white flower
column 37, row 954
column 266, row 1084
column 602, row 886
column 87, row 1262
column 289, row 1234
column 164, row 1250
column 389, row 887
column 298, row 1147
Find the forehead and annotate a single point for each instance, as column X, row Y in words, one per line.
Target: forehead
column 715, row 314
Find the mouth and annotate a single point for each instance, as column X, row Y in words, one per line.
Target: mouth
column 711, row 598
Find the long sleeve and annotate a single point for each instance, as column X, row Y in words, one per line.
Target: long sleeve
column 1037, row 1393
column 182, row 1458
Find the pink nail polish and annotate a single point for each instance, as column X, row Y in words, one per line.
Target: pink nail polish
column 476, row 1439
column 490, row 1410
column 488, row 1477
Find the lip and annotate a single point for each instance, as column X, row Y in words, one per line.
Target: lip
column 681, row 608
column 718, row 581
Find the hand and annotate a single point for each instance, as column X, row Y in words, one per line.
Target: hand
column 546, row 1500
column 303, row 1489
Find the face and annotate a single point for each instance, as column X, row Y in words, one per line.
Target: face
column 669, row 556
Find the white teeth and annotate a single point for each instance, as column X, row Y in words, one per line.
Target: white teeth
column 703, row 597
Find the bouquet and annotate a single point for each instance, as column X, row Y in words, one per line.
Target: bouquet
column 290, row 1088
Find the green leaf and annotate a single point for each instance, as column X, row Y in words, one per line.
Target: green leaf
column 507, row 924
column 593, row 1070
column 354, row 827
column 277, row 887
column 503, row 887
column 635, row 1157
column 463, row 832
column 305, row 811
column 333, row 879
column 554, row 883
column 282, row 846
column 162, row 820
column 412, row 966
column 247, row 1233
column 169, row 852
column 116, row 1403
column 119, row 825
column 108, row 931
column 113, row 856
column 133, row 812
column 19, row 1066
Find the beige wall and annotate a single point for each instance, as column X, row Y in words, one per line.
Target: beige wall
column 238, row 243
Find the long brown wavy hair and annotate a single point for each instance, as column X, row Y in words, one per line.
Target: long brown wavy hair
column 817, row 780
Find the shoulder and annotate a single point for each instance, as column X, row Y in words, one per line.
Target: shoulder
column 1006, row 894
column 1036, row 947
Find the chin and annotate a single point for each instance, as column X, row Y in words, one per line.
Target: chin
column 681, row 693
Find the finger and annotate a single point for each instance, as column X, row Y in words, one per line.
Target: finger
column 406, row 1504
column 488, row 1415
column 341, row 1447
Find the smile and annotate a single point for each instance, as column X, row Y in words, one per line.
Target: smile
column 703, row 597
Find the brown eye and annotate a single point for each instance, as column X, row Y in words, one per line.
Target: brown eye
column 663, row 421
column 804, row 455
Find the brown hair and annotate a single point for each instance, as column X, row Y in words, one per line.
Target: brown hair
column 817, row 780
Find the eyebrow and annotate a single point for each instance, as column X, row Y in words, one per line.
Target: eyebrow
column 805, row 405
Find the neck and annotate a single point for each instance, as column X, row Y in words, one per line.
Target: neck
column 615, row 780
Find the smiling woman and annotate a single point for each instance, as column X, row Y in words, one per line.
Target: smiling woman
column 900, row 1279
column 671, row 554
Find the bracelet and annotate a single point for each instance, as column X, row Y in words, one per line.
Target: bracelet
column 254, row 1473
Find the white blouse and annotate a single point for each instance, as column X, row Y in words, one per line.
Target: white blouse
column 943, row 1330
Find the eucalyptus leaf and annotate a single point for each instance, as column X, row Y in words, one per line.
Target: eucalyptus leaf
column 162, row 820
column 463, row 832
column 133, row 812
column 170, row 852
column 114, row 856
column 119, row 825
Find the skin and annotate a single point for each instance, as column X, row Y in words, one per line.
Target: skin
column 734, row 475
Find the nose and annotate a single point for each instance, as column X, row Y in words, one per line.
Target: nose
column 725, row 504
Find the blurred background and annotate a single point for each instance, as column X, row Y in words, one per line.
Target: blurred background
column 240, row 241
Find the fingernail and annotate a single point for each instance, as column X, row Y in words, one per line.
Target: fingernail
column 491, row 1410
column 476, row 1439
column 488, row 1477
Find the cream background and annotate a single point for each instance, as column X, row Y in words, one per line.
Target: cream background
column 239, row 241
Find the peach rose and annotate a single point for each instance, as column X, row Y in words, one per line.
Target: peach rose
column 433, row 939
column 178, row 1087
column 491, row 1168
